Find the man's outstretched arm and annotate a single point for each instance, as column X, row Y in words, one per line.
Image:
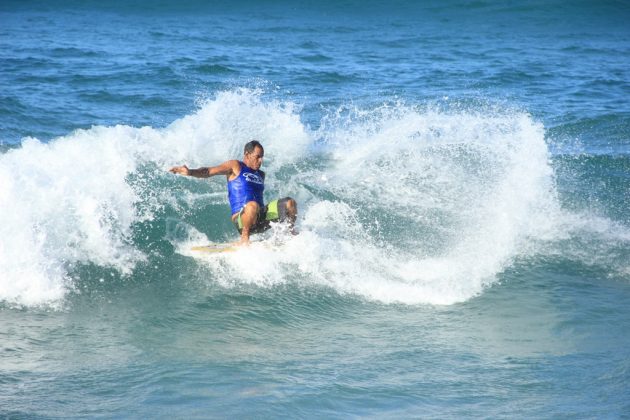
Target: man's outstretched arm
column 229, row 168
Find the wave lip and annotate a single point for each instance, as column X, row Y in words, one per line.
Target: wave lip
column 413, row 205
column 75, row 207
column 457, row 194
column 397, row 203
column 77, row 200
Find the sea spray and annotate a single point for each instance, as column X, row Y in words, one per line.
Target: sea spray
column 397, row 203
column 412, row 205
column 77, row 199
column 63, row 202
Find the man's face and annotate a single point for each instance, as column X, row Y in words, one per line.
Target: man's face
column 254, row 159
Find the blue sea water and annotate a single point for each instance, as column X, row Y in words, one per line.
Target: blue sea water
column 462, row 170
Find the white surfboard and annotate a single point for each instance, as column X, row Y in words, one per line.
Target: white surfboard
column 214, row 248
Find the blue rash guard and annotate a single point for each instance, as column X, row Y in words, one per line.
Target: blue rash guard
column 247, row 186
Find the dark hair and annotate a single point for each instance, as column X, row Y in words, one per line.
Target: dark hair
column 249, row 147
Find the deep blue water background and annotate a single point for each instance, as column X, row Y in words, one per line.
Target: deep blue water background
column 111, row 64
column 548, row 336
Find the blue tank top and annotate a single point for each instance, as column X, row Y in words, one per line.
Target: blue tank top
column 247, row 186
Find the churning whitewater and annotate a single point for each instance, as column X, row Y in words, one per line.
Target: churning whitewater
column 399, row 203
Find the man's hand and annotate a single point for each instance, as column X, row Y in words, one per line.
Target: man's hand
column 181, row 170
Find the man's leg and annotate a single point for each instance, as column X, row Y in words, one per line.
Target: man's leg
column 249, row 216
column 291, row 214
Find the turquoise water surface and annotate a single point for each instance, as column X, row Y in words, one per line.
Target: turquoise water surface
column 462, row 170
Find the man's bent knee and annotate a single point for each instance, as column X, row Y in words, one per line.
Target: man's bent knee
column 252, row 206
column 249, row 215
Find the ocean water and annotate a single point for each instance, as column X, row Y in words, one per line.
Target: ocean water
column 462, row 171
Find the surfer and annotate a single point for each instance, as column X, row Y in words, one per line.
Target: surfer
column 245, row 184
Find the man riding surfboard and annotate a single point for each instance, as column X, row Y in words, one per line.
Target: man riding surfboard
column 246, row 183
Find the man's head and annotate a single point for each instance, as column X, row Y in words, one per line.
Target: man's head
column 253, row 154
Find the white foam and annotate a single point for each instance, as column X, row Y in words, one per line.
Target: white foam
column 485, row 180
column 406, row 204
column 70, row 201
column 466, row 193
column 431, row 206
column 64, row 201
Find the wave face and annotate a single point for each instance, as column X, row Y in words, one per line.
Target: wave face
column 398, row 203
